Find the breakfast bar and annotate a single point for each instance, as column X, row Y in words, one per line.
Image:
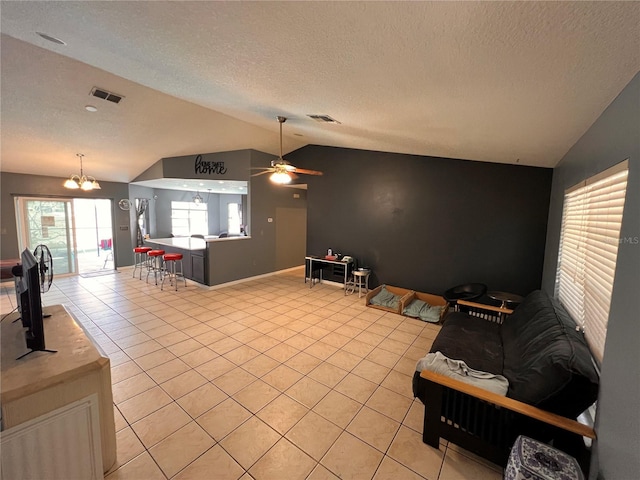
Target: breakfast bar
column 198, row 256
column 194, row 254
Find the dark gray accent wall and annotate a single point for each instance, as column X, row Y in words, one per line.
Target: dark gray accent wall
column 614, row 137
column 15, row 184
column 428, row 223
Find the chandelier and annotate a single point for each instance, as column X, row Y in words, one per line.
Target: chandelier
column 82, row 181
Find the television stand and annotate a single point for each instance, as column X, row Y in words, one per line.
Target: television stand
column 44, row 315
column 31, row 351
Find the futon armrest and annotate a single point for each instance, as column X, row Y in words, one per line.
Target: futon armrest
column 484, row 306
column 514, row 405
column 484, row 311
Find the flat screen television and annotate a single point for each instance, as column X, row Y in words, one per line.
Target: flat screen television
column 31, row 303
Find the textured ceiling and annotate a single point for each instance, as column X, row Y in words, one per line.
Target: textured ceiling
column 509, row 82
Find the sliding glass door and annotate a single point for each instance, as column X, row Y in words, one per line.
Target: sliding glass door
column 48, row 222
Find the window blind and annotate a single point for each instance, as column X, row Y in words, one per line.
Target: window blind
column 589, row 239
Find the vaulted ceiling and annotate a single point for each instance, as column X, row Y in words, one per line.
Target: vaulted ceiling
column 508, row 82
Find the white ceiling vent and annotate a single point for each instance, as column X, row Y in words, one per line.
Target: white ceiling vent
column 323, row 119
column 109, row 96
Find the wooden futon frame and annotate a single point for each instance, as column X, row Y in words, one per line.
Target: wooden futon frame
column 488, row 424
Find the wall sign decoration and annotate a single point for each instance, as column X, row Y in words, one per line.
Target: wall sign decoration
column 207, row 167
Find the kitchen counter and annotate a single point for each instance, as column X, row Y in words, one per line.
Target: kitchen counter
column 212, row 261
column 184, row 243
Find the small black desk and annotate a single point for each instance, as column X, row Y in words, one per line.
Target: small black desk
column 315, row 263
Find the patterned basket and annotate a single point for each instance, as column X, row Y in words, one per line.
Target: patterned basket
column 532, row 460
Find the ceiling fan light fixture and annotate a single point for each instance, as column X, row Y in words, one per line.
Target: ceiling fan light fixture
column 281, row 171
column 281, row 178
column 81, row 181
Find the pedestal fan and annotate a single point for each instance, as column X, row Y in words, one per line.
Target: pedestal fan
column 45, row 264
column 45, row 269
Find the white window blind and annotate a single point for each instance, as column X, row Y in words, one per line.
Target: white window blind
column 589, row 239
column 188, row 218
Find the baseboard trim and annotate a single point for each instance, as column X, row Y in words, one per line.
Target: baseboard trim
column 243, row 280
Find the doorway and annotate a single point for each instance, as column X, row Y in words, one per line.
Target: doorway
column 77, row 231
column 291, row 237
column 94, row 234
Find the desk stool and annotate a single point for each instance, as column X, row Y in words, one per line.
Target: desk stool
column 155, row 264
column 140, row 259
column 170, row 269
column 360, row 280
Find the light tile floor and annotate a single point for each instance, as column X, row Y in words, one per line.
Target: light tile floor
column 266, row 379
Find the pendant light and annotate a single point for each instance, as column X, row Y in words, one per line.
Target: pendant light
column 81, row 181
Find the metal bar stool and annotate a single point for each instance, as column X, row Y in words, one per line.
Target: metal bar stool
column 170, row 268
column 140, row 259
column 359, row 280
column 155, row 264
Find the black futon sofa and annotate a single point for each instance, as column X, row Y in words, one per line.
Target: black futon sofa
column 551, row 374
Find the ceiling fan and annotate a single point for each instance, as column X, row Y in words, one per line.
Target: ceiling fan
column 281, row 171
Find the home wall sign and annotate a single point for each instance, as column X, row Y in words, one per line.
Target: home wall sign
column 207, row 167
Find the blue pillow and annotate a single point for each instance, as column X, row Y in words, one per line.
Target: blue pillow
column 422, row 310
column 385, row 298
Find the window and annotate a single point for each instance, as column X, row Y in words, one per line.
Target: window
column 234, row 218
column 188, row 218
column 591, row 220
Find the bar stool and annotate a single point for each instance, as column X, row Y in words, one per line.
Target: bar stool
column 170, row 268
column 359, row 280
column 140, row 259
column 154, row 264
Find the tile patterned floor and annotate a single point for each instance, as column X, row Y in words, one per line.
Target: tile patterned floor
column 265, row 379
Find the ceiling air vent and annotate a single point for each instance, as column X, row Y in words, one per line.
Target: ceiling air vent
column 323, row 119
column 109, row 96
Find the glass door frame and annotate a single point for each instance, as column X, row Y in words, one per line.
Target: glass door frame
column 22, row 224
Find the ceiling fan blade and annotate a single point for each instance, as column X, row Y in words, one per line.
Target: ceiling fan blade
column 270, row 170
column 308, row 172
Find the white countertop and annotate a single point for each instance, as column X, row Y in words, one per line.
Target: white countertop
column 190, row 243
column 185, row 243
